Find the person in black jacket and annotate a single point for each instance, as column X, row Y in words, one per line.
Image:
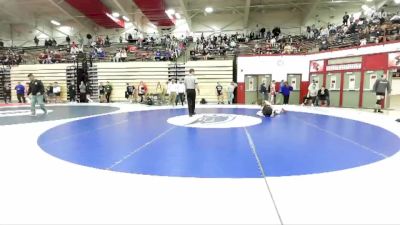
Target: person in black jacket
column 264, row 91
column 346, row 19
column 323, row 97
column 36, row 88
column 72, row 92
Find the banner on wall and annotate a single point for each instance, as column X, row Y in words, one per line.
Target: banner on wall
column 352, row 82
column 372, row 80
column 317, row 66
column 352, row 66
column 394, row 59
column 333, row 83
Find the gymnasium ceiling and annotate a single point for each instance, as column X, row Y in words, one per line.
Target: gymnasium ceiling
column 35, row 12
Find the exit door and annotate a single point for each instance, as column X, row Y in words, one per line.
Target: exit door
column 294, row 80
column 351, row 89
column 252, row 87
column 333, row 83
column 369, row 96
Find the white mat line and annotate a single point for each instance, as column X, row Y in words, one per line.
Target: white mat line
column 344, row 138
column 260, row 167
column 138, row 149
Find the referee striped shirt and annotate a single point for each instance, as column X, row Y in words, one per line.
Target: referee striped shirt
column 190, row 82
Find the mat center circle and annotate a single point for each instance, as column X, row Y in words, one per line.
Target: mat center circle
column 218, row 120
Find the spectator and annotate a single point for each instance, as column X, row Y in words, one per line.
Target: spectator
column 345, row 19
column 57, row 92
column 313, row 92
column 231, row 91
column 123, row 55
column 272, row 92
column 351, row 19
column 7, row 92
column 117, row 56
column 108, row 90
column 181, row 93
column 20, row 90
column 102, row 92
column 82, row 91
column 220, row 93
column 130, row 89
column 142, row 91
column 286, row 89
column 107, row 41
column 68, row 40
column 264, row 91
column 36, row 40
column 88, row 93
column 323, row 97
column 172, row 91
column 72, row 92
column 50, row 93
column 159, row 91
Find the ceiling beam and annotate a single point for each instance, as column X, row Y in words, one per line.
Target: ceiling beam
column 185, row 14
column 309, row 12
column 134, row 22
column 380, row 4
column 246, row 14
column 68, row 14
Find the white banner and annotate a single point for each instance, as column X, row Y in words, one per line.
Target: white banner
column 332, row 85
column 353, row 66
column 293, row 83
column 352, row 82
column 372, row 80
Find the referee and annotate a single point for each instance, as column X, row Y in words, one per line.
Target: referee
column 191, row 86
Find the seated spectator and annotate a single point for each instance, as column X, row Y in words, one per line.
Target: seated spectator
column 74, row 49
column 124, row 55
column 117, row 56
column 288, row 49
column 323, row 97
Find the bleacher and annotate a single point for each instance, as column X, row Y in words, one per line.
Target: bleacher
column 118, row 74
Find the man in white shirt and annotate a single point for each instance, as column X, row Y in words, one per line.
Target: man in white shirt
column 172, row 92
column 313, row 92
column 181, row 93
column 57, row 92
column 231, row 90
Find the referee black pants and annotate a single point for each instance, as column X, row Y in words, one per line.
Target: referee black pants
column 191, row 98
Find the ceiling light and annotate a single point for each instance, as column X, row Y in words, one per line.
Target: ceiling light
column 397, row 1
column 55, row 22
column 178, row 16
column 170, row 11
column 125, row 18
column 370, row 0
column 115, row 14
column 209, row 9
column 365, row 7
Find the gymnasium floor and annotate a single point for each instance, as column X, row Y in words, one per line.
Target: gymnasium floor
column 125, row 164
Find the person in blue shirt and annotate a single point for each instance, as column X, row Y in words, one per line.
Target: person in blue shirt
column 285, row 90
column 20, row 89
